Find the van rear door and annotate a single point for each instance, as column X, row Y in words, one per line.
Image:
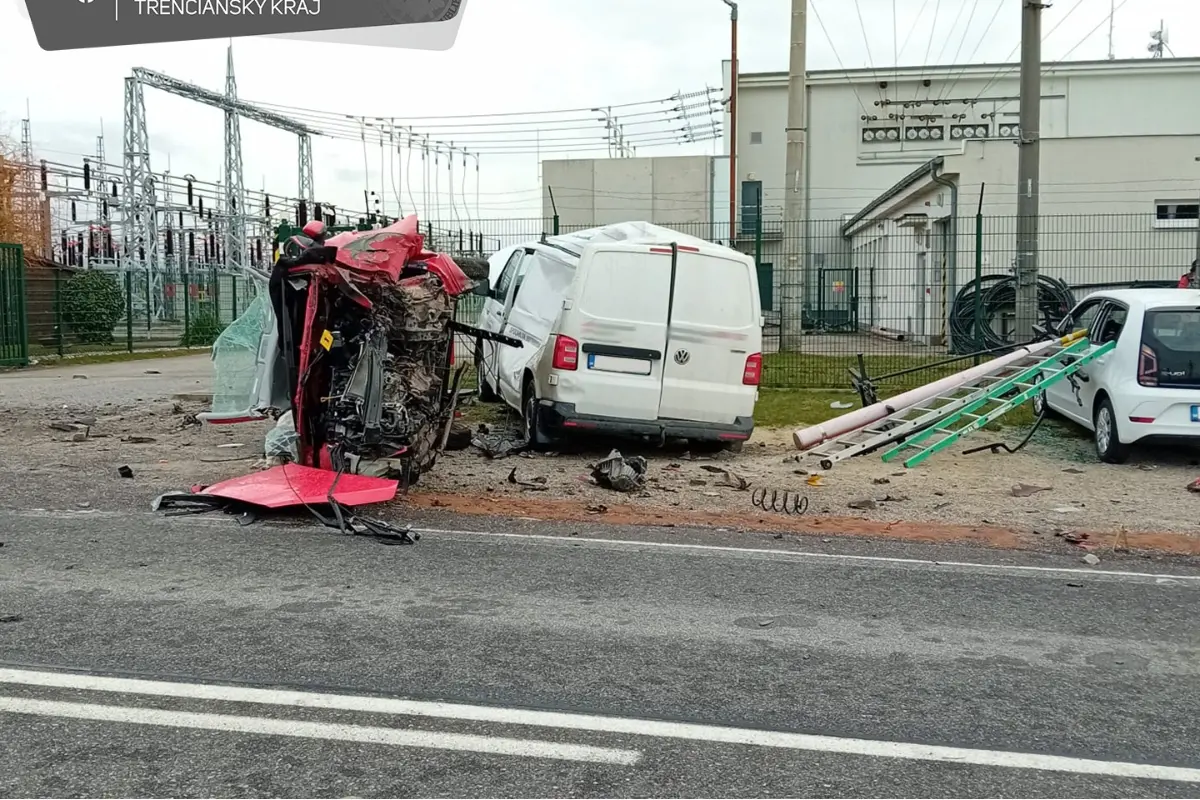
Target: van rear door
column 713, row 354
column 619, row 322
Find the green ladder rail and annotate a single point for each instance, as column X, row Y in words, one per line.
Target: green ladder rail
column 1030, row 381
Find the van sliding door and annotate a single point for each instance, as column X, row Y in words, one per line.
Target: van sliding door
column 620, row 326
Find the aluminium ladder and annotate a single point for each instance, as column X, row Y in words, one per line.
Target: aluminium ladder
column 1030, row 382
column 900, row 424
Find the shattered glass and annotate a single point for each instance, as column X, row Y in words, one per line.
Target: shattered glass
column 235, row 356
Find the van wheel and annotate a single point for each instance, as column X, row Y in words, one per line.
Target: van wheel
column 1108, row 444
column 530, row 416
column 484, row 390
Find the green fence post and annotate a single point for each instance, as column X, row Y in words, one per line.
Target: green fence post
column 187, row 302
column 129, row 310
column 979, row 276
column 58, row 317
column 758, row 227
column 148, row 301
column 233, row 294
column 556, row 224
column 216, row 293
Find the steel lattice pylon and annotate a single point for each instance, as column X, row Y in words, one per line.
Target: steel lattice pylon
column 139, row 203
column 235, row 189
column 307, row 192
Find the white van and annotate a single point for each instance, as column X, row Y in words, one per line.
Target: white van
column 629, row 329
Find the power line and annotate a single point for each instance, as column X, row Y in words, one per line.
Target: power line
column 812, row 6
column 928, row 47
column 963, row 40
column 1000, row 73
column 995, row 14
column 862, row 26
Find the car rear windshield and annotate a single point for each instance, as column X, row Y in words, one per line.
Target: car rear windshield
column 1173, row 339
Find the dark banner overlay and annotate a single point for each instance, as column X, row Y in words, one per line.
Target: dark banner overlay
column 79, row 24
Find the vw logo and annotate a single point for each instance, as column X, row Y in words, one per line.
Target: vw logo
column 682, row 357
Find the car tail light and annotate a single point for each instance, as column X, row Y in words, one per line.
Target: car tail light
column 753, row 370
column 1148, row 367
column 566, row 353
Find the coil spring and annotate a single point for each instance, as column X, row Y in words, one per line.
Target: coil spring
column 781, row 501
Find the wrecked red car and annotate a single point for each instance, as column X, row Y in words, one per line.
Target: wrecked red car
column 350, row 347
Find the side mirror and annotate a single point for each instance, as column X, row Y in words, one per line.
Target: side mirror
column 482, row 288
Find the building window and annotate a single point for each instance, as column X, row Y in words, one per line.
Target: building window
column 756, row 137
column 1176, row 213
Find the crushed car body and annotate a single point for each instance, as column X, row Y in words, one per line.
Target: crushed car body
column 350, row 347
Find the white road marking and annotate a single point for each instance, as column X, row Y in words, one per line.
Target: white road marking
column 492, row 745
column 807, row 554
column 597, row 724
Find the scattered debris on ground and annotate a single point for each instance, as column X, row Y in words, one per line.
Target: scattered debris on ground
column 620, row 474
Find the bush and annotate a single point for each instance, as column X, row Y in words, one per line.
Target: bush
column 92, row 305
column 202, row 330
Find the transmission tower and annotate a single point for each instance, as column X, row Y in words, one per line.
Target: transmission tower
column 235, row 189
column 139, row 203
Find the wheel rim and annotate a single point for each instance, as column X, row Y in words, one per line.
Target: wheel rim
column 1039, row 404
column 1103, row 430
column 530, row 405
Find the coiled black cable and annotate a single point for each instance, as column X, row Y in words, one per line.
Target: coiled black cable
column 998, row 295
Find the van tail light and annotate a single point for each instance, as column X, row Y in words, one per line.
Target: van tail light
column 566, row 353
column 1148, row 367
column 753, row 370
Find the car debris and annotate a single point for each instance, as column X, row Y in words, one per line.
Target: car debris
column 729, row 478
column 537, row 484
column 619, row 473
column 780, row 501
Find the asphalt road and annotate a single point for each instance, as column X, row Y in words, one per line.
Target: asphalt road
column 142, row 656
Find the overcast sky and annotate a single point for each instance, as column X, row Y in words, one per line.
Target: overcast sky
column 517, row 55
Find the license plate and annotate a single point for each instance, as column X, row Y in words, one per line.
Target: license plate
column 627, row 366
column 1195, row 413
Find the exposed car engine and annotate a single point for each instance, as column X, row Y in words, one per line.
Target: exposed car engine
column 389, row 371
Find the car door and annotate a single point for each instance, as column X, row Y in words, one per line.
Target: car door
column 1108, row 327
column 1066, row 396
column 510, row 361
column 493, row 311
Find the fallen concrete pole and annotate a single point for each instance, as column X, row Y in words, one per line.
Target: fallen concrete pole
column 807, row 438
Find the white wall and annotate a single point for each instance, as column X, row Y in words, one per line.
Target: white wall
column 1137, row 98
column 673, row 191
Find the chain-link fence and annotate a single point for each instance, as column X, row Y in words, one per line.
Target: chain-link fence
column 900, row 293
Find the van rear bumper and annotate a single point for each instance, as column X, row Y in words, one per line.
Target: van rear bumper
column 556, row 417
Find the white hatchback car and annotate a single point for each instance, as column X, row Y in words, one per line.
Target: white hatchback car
column 1148, row 387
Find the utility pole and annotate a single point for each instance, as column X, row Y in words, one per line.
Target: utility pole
column 1029, row 168
column 733, row 119
column 795, row 224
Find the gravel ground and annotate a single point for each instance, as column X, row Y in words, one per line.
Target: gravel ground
column 140, row 417
column 1148, row 494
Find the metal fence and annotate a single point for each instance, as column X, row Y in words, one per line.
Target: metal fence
column 901, row 293
column 14, row 337
column 910, row 292
column 109, row 310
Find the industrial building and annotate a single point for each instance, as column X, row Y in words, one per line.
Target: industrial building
column 893, row 154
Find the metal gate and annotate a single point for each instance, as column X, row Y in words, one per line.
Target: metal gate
column 14, row 325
